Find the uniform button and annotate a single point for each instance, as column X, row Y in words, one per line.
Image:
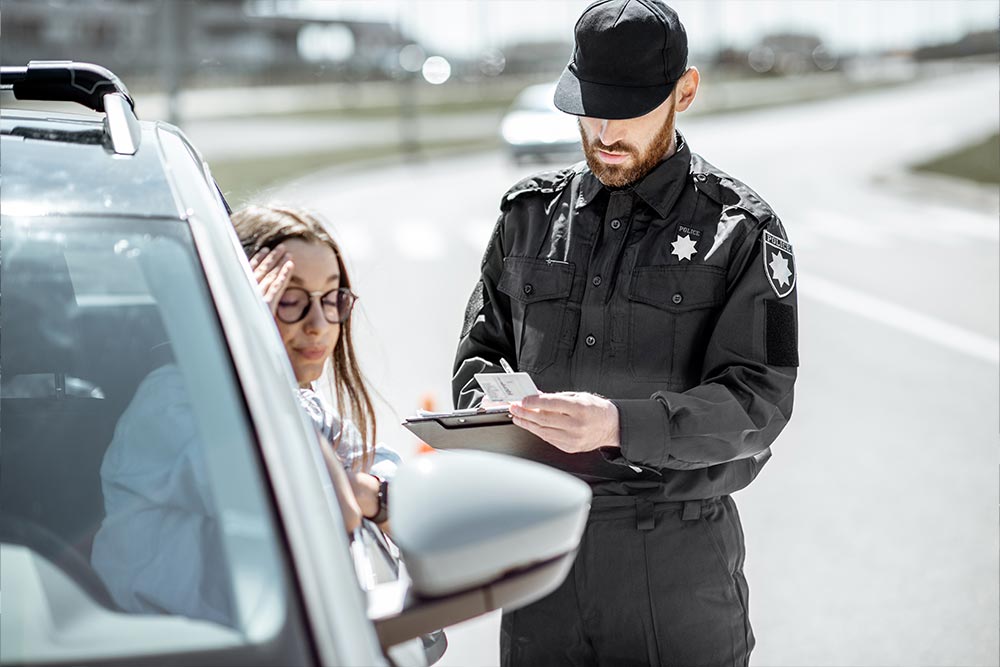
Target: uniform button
column 528, row 289
column 700, row 177
column 616, row 223
column 596, row 281
column 591, row 341
column 677, row 298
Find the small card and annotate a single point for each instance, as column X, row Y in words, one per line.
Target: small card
column 506, row 387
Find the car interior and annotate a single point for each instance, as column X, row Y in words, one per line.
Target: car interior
column 68, row 373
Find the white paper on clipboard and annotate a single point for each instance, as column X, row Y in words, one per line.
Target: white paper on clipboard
column 506, row 387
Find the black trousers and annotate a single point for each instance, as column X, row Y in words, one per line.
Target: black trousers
column 653, row 584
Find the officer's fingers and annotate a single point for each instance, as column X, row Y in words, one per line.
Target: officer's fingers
column 558, row 402
column 552, row 436
column 546, row 418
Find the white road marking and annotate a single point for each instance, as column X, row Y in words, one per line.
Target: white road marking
column 419, row 240
column 831, row 224
column 878, row 228
column 477, row 233
column 904, row 319
column 976, row 226
column 355, row 239
column 937, row 225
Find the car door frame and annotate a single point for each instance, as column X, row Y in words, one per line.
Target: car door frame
column 335, row 606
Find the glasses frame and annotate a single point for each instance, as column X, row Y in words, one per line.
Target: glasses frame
column 320, row 295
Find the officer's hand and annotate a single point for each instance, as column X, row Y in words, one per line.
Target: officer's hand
column 572, row 421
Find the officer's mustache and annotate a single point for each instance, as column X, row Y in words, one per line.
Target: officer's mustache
column 617, row 147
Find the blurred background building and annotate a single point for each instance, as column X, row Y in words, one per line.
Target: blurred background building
column 414, row 66
column 254, row 42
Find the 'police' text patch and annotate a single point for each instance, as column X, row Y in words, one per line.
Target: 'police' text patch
column 779, row 264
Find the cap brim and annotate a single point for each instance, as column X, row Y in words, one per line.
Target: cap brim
column 598, row 100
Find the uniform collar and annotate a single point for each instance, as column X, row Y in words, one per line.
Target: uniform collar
column 660, row 188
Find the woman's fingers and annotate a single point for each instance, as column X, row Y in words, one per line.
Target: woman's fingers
column 276, row 284
column 272, row 268
column 258, row 257
column 271, row 260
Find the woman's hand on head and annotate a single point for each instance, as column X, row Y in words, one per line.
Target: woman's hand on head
column 273, row 269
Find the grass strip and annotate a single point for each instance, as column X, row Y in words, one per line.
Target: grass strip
column 979, row 161
column 246, row 179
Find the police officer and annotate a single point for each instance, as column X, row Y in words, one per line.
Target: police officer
column 652, row 299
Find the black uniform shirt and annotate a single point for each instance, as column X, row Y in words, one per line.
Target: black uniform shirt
column 675, row 298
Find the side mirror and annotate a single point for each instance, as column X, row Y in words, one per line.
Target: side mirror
column 477, row 532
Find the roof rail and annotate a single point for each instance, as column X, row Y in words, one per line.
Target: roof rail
column 63, row 81
column 93, row 86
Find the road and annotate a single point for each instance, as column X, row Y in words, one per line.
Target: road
column 872, row 535
column 288, row 120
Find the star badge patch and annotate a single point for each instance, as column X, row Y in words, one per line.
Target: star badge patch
column 779, row 264
column 683, row 247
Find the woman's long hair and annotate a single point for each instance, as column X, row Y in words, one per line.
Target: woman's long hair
column 261, row 227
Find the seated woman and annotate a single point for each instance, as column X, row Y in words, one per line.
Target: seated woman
column 304, row 281
column 159, row 549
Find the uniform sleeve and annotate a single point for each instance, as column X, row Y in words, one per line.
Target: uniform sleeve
column 486, row 334
column 744, row 399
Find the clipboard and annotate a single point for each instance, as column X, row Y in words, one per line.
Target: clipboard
column 494, row 431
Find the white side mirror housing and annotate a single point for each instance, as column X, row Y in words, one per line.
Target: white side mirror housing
column 465, row 519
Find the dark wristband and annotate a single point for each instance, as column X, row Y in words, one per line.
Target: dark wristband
column 382, row 515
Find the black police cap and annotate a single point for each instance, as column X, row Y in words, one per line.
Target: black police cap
column 627, row 57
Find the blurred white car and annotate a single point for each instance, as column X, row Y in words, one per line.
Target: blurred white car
column 130, row 315
column 533, row 128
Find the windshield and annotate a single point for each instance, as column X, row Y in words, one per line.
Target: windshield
column 129, row 488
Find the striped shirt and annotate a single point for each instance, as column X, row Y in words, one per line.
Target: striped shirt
column 349, row 445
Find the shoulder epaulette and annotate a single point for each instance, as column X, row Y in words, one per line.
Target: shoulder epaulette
column 727, row 191
column 541, row 183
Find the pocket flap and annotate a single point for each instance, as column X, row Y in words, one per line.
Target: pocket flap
column 678, row 288
column 528, row 280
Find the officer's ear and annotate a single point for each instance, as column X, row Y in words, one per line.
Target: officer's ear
column 686, row 89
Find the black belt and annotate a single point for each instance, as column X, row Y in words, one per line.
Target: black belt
column 645, row 510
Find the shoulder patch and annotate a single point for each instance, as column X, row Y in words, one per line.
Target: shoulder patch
column 543, row 183
column 779, row 264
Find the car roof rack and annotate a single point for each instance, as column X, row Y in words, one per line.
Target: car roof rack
column 93, row 86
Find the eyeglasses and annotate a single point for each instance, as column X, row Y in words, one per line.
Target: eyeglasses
column 295, row 303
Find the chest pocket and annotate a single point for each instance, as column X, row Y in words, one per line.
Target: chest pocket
column 538, row 291
column 671, row 313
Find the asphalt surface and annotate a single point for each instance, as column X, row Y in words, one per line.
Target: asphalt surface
column 872, row 534
column 258, row 122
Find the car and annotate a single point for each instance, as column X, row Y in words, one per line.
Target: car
column 125, row 293
column 533, row 128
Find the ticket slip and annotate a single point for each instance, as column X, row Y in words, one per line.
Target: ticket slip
column 506, row 387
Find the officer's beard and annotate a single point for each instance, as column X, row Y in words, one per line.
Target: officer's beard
column 642, row 162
